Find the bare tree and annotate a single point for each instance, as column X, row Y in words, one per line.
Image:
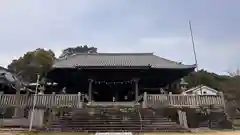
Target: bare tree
column 234, row 73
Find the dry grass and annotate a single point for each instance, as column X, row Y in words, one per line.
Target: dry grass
column 204, row 133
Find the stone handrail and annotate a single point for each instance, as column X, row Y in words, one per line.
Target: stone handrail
column 45, row 101
column 179, row 100
column 76, row 100
column 105, row 104
column 140, row 117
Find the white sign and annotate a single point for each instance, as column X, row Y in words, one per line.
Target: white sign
column 114, row 133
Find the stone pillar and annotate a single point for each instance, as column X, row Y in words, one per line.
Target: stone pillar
column 90, row 90
column 223, row 101
column 38, row 117
column 18, row 112
column 145, row 100
column 2, row 111
column 53, row 106
column 1, row 95
column 182, row 118
column 136, row 89
column 80, row 100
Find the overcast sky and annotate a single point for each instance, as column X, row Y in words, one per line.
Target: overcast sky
column 159, row 26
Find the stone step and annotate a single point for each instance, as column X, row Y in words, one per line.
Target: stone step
column 93, row 120
column 96, row 122
column 98, row 126
column 115, row 130
column 119, row 124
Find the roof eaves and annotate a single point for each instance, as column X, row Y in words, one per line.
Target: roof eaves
column 175, row 67
column 166, row 59
column 178, row 65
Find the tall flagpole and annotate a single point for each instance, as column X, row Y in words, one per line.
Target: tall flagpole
column 195, row 54
column 34, row 104
column 193, row 45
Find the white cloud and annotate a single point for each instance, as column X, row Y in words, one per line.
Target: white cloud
column 120, row 26
column 215, row 57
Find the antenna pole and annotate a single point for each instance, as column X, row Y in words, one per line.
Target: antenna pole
column 195, row 54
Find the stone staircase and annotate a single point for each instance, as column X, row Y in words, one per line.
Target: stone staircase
column 114, row 120
column 153, row 121
column 98, row 120
column 216, row 121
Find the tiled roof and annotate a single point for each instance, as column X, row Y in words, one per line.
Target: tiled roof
column 118, row 60
column 3, row 68
column 199, row 87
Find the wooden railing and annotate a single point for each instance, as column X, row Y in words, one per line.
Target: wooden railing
column 177, row 100
column 46, row 101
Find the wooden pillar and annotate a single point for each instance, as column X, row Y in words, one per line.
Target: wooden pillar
column 90, row 90
column 136, row 89
column 116, row 95
column 170, row 97
column 1, row 95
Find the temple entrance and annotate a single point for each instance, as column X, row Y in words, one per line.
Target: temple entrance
column 103, row 93
column 113, row 91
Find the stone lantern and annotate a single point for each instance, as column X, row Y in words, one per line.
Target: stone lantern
column 183, row 85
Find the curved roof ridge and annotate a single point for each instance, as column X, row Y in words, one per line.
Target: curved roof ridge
column 112, row 54
column 77, row 54
column 124, row 53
